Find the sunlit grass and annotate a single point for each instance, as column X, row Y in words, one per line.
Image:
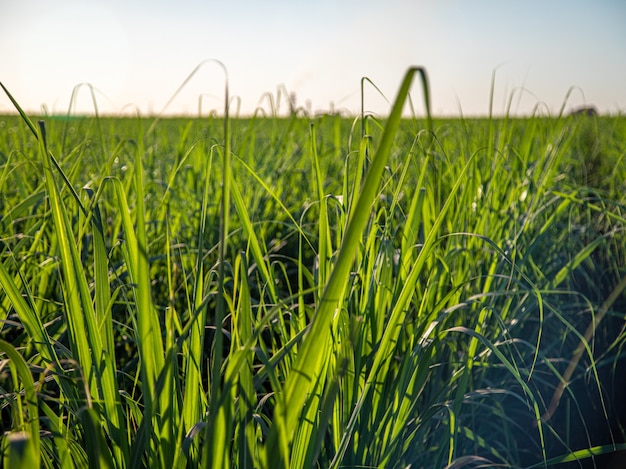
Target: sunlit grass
column 311, row 292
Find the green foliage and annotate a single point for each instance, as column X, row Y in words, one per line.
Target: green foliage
column 311, row 292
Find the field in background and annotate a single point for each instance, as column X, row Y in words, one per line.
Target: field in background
column 312, row 292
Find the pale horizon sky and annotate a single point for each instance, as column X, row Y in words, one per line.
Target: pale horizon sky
column 137, row 53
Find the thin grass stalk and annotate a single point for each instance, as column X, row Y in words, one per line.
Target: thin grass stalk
column 102, row 309
column 149, row 334
column 168, row 388
column 514, row 372
column 35, row 132
column 464, row 385
column 143, row 321
column 583, row 345
column 244, row 340
column 276, row 198
column 358, row 174
column 364, row 130
column 170, row 375
column 324, row 244
column 72, row 104
column 216, row 453
column 259, row 254
column 195, row 402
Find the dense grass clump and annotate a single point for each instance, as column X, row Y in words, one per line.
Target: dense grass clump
column 312, row 292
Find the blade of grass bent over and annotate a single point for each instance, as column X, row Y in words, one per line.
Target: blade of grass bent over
column 33, row 129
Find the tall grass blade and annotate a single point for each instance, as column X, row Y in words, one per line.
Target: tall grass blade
column 146, row 322
column 216, row 453
column 306, row 371
column 244, row 340
column 195, row 402
column 96, row 357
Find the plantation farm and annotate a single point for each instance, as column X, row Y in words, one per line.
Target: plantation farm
column 313, row 291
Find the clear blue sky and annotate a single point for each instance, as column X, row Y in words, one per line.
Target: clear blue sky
column 141, row 51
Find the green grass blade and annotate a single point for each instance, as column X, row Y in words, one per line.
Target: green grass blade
column 146, row 320
column 96, row 446
column 514, row 372
column 244, row 340
column 18, row 450
column 80, row 314
column 324, row 250
column 23, row 447
column 86, row 338
column 27, row 312
column 258, row 253
column 219, row 412
column 580, row 455
column 195, row 401
column 33, row 129
column 104, row 324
